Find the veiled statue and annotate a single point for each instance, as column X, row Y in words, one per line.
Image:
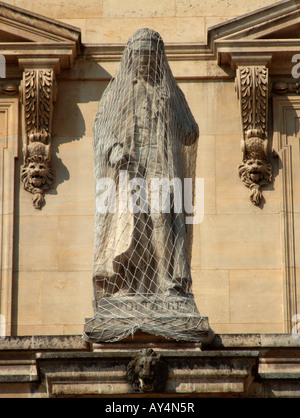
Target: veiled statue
column 145, row 138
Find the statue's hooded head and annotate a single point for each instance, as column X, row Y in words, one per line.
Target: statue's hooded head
column 144, row 55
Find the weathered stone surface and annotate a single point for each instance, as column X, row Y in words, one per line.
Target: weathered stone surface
column 46, row 342
column 253, row 365
column 189, row 372
column 173, row 317
column 241, row 341
column 147, row 372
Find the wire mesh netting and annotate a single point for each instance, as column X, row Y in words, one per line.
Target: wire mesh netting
column 145, row 146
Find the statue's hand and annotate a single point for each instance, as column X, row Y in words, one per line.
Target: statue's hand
column 118, row 157
column 191, row 134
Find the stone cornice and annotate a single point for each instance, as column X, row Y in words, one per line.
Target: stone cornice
column 222, row 50
column 30, row 35
column 65, row 52
column 244, row 365
column 253, row 24
column 174, row 51
column 35, row 23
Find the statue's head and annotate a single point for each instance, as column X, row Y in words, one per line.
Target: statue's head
column 145, row 49
column 145, row 38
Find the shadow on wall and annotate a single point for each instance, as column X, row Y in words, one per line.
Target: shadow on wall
column 74, row 114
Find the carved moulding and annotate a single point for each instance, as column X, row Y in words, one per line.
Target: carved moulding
column 283, row 87
column 252, row 85
column 38, row 94
column 9, row 89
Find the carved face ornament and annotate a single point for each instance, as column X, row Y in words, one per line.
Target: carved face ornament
column 37, row 172
column 256, row 169
column 147, row 372
column 146, row 375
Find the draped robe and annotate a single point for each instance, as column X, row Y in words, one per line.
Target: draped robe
column 145, row 129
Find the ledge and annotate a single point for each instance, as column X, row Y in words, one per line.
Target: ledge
column 229, row 341
column 44, row 342
column 76, row 343
column 233, row 365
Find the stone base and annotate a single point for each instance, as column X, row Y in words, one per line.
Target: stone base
column 171, row 317
column 140, row 340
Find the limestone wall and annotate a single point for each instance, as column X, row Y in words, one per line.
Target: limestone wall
column 236, row 262
column 104, row 21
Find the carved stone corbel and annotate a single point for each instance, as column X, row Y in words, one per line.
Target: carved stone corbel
column 38, row 91
column 252, row 85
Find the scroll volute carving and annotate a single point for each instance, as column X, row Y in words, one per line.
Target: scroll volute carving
column 38, row 94
column 252, row 85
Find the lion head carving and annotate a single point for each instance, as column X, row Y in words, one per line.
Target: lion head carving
column 37, row 177
column 255, row 173
column 147, row 372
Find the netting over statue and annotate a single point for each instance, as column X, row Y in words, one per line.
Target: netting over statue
column 145, row 138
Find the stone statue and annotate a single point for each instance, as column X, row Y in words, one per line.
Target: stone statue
column 144, row 136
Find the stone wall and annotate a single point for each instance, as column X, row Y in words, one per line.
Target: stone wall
column 237, row 250
column 105, row 21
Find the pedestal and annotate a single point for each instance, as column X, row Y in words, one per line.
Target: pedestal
column 172, row 317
